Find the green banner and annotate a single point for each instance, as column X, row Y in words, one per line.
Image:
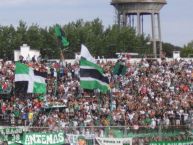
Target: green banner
column 12, row 134
column 172, row 143
column 36, row 138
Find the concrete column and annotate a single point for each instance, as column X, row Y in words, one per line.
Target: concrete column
column 153, row 35
column 119, row 19
column 159, row 32
column 141, row 24
column 133, row 21
column 129, row 16
column 138, row 24
column 124, row 19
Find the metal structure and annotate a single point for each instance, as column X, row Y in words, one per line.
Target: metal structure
column 131, row 13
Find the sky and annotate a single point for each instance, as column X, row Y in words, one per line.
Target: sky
column 176, row 16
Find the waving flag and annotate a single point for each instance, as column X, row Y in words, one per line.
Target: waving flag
column 28, row 80
column 61, row 36
column 91, row 75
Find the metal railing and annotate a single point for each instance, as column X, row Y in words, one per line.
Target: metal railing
column 140, row 134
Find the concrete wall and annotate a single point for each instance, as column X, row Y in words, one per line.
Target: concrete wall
column 26, row 52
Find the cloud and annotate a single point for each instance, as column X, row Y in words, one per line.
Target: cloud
column 51, row 2
column 11, row 2
column 37, row 2
column 48, row 12
column 178, row 32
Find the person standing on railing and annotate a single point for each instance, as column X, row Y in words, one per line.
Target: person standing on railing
column 30, row 117
column 24, row 116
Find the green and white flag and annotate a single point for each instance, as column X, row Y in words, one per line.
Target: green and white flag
column 119, row 69
column 28, row 80
column 91, row 75
column 61, row 36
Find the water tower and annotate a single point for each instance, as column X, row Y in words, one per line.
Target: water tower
column 131, row 13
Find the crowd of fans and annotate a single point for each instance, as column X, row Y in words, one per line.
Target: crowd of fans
column 151, row 93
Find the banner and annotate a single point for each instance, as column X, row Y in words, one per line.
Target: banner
column 74, row 139
column 172, row 143
column 12, row 134
column 36, row 138
column 114, row 141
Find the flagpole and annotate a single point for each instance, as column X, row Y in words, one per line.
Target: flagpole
column 111, row 101
column 62, row 56
column 111, row 106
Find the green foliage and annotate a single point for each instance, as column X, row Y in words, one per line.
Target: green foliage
column 169, row 48
column 100, row 41
column 187, row 51
column 7, row 33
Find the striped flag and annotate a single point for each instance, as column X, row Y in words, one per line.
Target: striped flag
column 28, row 80
column 91, row 75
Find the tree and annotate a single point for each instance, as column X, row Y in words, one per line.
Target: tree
column 21, row 34
column 101, row 41
column 169, row 48
column 187, row 50
column 7, row 35
column 33, row 37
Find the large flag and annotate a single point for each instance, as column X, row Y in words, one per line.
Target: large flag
column 91, row 75
column 28, row 80
column 61, row 36
column 119, row 69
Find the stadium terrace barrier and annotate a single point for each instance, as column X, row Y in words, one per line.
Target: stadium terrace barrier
column 139, row 135
column 131, row 60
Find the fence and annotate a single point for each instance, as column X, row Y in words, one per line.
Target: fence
column 141, row 135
